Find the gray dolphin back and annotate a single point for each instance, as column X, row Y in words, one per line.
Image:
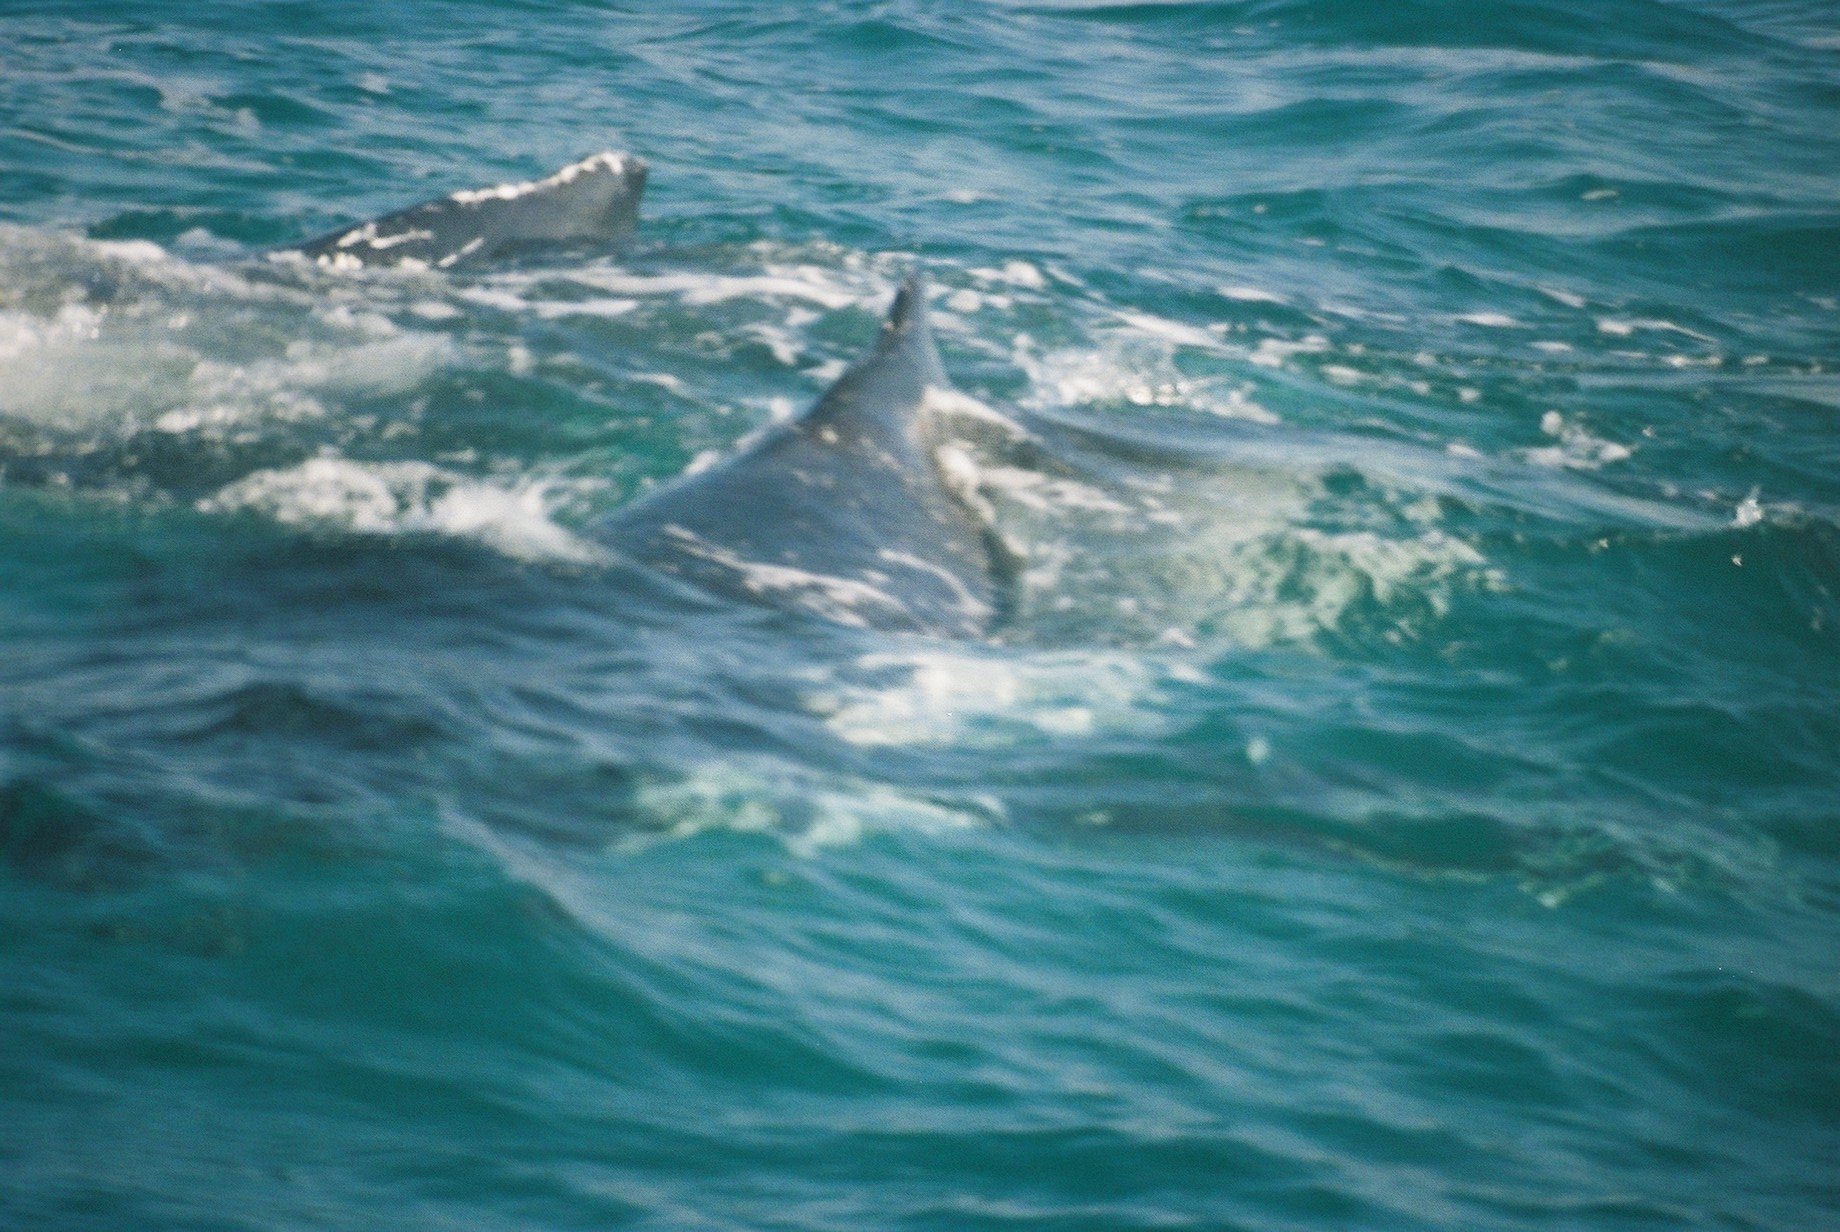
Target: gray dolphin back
column 594, row 200
column 843, row 512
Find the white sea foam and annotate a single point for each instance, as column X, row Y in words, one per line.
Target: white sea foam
column 974, row 698
column 605, row 306
column 1576, row 448
column 1016, row 273
column 1749, row 512
column 663, row 380
column 810, row 283
column 138, row 252
column 1140, row 375
column 1570, row 299
column 809, row 813
column 1273, row 352
column 389, row 498
column 24, row 332
column 826, row 373
column 1251, row 558
column 1623, row 327
column 1171, row 331
column 785, row 348
column 82, row 368
column 1045, row 492
column 159, row 347
column 1304, row 582
column 294, row 384
column 496, row 297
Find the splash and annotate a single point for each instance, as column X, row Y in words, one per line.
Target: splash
column 972, row 698
column 807, row 813
column 1576, row 448
column 397, row 498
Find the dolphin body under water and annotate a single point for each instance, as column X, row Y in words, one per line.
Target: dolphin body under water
column 596, row 199
column 844, row 512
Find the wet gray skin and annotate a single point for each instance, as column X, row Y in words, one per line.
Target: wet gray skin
column 843, row 512
column 595, row 200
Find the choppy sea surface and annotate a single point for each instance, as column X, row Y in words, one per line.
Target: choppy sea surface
column 1406, row 794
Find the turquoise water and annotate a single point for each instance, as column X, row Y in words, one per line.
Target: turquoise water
column 1406, row 796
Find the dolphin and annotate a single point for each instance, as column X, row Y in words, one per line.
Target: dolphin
column 596, row 199
column 845, row 512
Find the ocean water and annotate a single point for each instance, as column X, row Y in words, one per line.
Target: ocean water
column 1406, row 795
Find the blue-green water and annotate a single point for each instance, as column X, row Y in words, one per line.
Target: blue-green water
column 1407, row 795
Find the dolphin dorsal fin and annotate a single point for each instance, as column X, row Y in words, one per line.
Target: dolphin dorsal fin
column 881, row 394
column 909, row 308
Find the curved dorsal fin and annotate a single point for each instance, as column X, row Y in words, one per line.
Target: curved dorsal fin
column 881, row 394
column 909, row 308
